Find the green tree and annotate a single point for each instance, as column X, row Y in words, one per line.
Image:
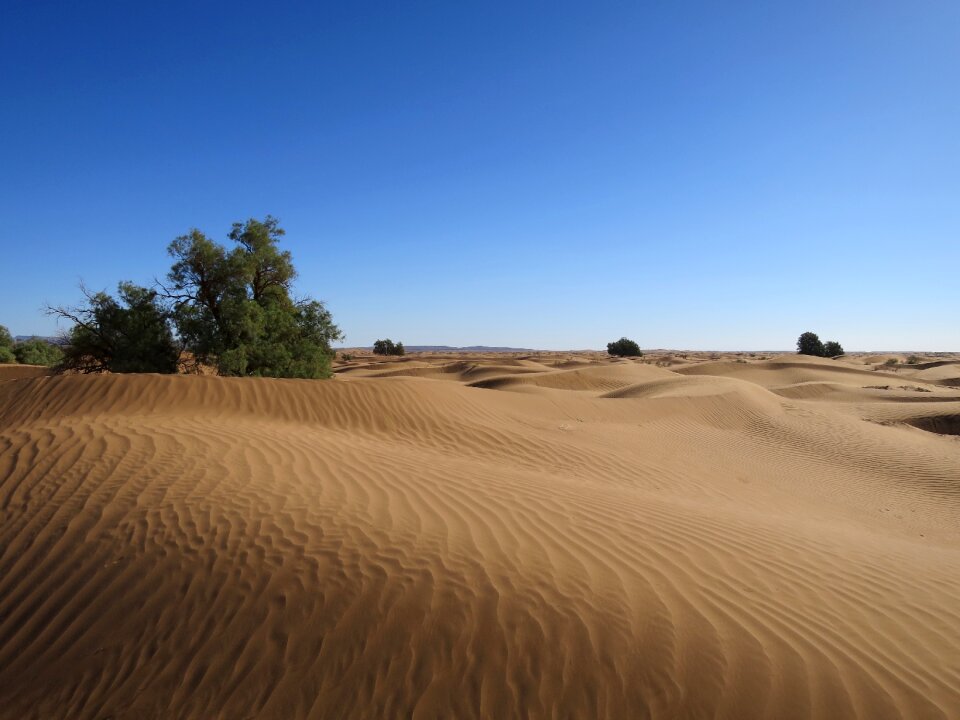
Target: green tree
column 831, row 348
column 388, row 347
column 809, row 344
column 125, row 335
column 37, row 352
column 6, row 346
column 234, row 310
column 624, row 347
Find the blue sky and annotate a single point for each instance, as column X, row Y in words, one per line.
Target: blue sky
column 694, row 175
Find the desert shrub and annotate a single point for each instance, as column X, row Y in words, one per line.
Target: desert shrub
column 129, row 334
column 234, row 310
column 913, row 359
column 346, row 356
column 624, row 347
column 831, row 348
column 809, row 344
column 37, row 352
column 388, row 347
column 890, row 362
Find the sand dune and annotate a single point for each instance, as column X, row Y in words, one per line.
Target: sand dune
column 484, row 536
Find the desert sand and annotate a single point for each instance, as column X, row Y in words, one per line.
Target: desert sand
column 495, row 536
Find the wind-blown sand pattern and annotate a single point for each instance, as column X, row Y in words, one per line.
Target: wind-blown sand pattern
column 490, row 536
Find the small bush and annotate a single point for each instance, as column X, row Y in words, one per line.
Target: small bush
column 388, row 347
column 890, row 362
column 37, row 352
column 6, row 356
column 913, row 359
column 624, row 347
column 832, row 348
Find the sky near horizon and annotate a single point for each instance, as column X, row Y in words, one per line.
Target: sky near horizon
column 694, row 175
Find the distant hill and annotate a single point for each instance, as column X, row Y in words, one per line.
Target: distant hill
column 470, row 348
column 46, row 338
column 449, row 348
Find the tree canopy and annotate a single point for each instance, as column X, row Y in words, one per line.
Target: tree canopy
column 624, row 347
column 831, row 348
column 388, row 347
column 809, row 344
column 37, row 351
column 126, row 335
column 233, row 308
column 6, row 346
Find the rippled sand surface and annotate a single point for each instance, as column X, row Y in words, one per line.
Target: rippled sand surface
column 494, row 536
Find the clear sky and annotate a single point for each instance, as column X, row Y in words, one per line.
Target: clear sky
column 697, row 175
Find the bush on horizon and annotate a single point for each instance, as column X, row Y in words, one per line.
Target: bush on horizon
column 809, row 344
column 624, row 347
column 388, row 347
column 37, row 352
column 832, row 348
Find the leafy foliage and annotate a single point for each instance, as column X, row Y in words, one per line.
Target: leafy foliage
column 6, row 347
column 125, row 335
column 233, row 309
column 831, row 348
column 37, row 352
column 809, row 344
column 388, row 347
column 624, row 347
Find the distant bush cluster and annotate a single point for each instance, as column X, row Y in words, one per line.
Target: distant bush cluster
column 388, row 347
column 35, row 351
column 809, row 344
column 226, row 308
column 624, row 347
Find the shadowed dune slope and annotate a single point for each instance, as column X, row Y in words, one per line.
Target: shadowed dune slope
column 621, row 541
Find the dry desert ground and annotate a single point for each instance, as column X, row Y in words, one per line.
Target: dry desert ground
column 553, row 535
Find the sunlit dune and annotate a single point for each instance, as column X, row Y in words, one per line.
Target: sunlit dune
column 495, row 536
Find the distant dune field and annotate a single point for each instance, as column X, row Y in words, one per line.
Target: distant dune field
column 485, row 536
